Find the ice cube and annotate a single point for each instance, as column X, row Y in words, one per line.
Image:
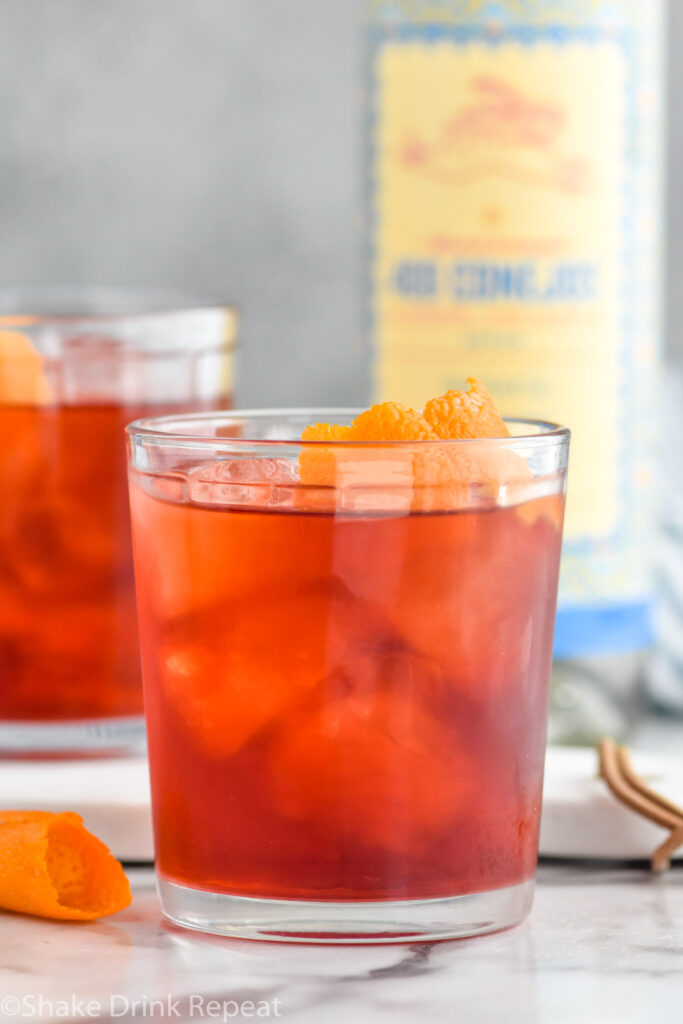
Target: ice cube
column 262, row 482
column 92, row 368
column 478, row 598
column 376, row 770
column 192, row 557
column 232, row 670
column 56, row 546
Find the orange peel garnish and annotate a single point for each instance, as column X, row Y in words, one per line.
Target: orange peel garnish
column 391, row 421
column 325, row 432
column 51, row 866
column 439, row 476
column 465, row 414
column 22, row 372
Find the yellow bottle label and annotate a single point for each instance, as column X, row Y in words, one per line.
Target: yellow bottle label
column 506, row 234
column 498, row 245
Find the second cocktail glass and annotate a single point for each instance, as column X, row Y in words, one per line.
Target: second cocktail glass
column 69, row 383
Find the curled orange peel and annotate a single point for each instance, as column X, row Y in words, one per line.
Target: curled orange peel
column 440, row 476
column 23, row 380
column 51, row 866
column 458, row 415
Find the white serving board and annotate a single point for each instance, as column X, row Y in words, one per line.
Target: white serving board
column 580, row 816
column 112, row 796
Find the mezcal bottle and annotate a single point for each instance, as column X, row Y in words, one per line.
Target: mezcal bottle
column 513, row 187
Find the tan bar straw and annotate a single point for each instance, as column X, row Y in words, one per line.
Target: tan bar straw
column 630, row 789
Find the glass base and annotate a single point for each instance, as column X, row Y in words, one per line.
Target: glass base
column 94, row 737
column 351, row 922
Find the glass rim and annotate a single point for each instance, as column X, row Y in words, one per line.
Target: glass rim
column 155, row 430
column 28, row 306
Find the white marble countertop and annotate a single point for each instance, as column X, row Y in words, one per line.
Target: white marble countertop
column 603, row 944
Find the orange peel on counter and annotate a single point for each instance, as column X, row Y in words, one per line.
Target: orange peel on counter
column 51, row 866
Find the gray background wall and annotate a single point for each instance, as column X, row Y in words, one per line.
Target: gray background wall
column 210, row 145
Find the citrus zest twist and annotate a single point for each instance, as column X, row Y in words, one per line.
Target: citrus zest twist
column 441, row 477
column 465, row 414
column 454, row 416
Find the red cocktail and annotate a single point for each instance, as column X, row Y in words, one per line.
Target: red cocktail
column 345, row 687
column 69, row 654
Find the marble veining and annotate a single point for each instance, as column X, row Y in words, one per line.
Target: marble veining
column 604, row 944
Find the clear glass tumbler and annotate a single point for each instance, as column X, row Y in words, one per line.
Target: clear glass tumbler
column 69, row 384
column 346, row 652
